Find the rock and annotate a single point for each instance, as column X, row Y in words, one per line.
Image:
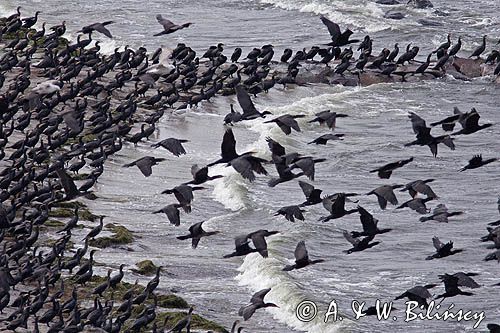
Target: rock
column 388, row 2
column 429, row 23
column 469, row 67
column 421, row 4
column 394, row 15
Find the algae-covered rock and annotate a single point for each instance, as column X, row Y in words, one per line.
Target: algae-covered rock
column 83, row 213
column 53, row 223
column 145, row 267
column 197, row 321
column 121, row 236
column 172, row 301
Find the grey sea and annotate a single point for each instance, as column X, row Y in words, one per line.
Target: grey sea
column 376, row 129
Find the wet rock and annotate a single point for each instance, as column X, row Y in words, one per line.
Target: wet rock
column 421, row 4
column 469, row 67
column 394, row 15
column 388, row 2
column 429, row 23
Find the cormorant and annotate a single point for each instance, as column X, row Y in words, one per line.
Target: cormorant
column 256, row 302
column 301, row 258
column 291, row 213
column 477, row 161
column 440, row 214
column 196, row 232
column 385, row 171
column 359, row 244
column 336, row 207
column 384, row 194
column 168, row 26
column 145, row 164
column 442, row 250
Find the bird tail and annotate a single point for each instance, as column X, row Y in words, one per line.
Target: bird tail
column 273, row 182
column 128, row 165
column 288, row 268
column 425, row 218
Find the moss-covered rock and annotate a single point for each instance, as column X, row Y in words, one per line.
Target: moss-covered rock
column 172, row 301
column 145, row 267
column 121, row 236
column 83, row 213
column 197, row 321
column 70, row 204
column 53, row 223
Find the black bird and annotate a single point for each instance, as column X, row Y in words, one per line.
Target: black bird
column 96, row 230
column 480, row 49
column 464, row 279
column 258, row 239
column 173, row 145
column 306, row 164
column 291, row 213
column 236, row 54
column 246, row 164
column 336, row 207
column 477, row 161
column 418, row 294
column 145, row 164
column 99, row 27
column 440, row 214
column 369, row 223
column 470, row 122
column 168, row 26
column 419, row 186
column 287, row 54
column 338, row 38
column 301, row 258
column 196, row 232
column 394, row 53
column 424, row 136
column 327, row 117
column 385, row 193
column 172, row 212
column 184, row 194
column 200, row 175
column 246, row 104
column 417, row 204
column 256, row 302
column 286, row 122
column 313, row 195
column 359, row 244
column 451, row 287
column 442, row 250
column 322, row 140
column 385, row 171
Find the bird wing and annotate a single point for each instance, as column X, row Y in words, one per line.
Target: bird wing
column 244, row 167
column 196, row 228
column 259, row 296
column 174, row 146
column 417, row 205
column 290, row 122
column 307, row 166
column 333, row 28
column 228, row 146
column 144, row 164
column 260, row 243
column 417, row 122
column 327, row 203
column 422, row 187
column 173, row 215
column 247, row 311
column 367, row 221
column 245, row 102
column 196, row 169
column 102, row 29
column 300, row 253
column 71, row 121
column 186, row 192
column 275, row 147
column 388, row 194
column 472, row 119
column 306, row 188
column 167, row 24
column 350, row 239
column 437, row 243
column 339, row 203
column 465, row 280
column 420, row 292
column 67, row 183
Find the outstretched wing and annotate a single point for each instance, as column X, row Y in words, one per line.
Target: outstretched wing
column 245, row 102
column 333, row 28
column 167, row 24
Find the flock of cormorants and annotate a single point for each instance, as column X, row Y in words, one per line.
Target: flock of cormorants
column 65, row 106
